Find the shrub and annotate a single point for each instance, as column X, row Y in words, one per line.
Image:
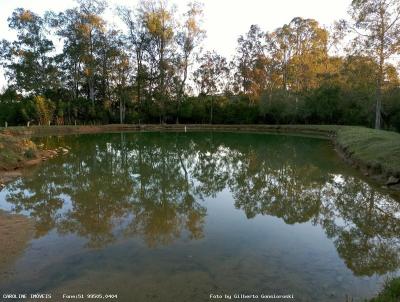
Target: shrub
column 390, row 292
column 30, row 153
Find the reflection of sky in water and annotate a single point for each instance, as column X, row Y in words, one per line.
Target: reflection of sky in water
column 193, row 214
column 4, row 205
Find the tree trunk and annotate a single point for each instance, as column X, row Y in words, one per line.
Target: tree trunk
column 378, row 109
column 212, row 109
column 381, row 71
column 182, row 88
column 91, row 91
column 121, row 111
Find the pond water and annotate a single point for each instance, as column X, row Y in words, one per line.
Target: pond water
column 180, row 216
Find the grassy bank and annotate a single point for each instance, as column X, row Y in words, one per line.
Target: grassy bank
column 389, row 293
column 375, row 152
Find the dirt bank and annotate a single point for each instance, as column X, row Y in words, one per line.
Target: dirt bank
column 17, row 153
column 15, row 233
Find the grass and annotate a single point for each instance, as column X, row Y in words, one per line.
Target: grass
column 376, row 149
column 389, row 293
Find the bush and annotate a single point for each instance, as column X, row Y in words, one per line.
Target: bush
column 44, row 110
column 30, row 153
column 323, row 106
column 390, row 292
column 333, row 103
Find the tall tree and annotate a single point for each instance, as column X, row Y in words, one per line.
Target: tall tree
column 27, row 60
column 81, row 29
column 89, row 28
column 377, row 24
column 250, row 59
column 138, row 41
column 210, row 76
column 190, row 37
column 114, row 77
column 160, row 23
column 211, row 73
column 300, row 50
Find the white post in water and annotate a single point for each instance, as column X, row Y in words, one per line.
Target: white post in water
column 185, row 128
column 28, row 124
column 6, row 124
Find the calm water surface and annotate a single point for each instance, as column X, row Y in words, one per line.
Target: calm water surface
column 180, row 216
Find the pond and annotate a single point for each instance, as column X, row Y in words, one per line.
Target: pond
column 182, row 216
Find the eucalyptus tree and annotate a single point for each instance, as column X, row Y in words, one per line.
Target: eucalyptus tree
column 69, row 62
column 211, row 73
column 160, row 24
column 121, row 75
column 280, row 49
column 377, row 27
column 27, row 60
column 115, row 72
column 89, row 28
column 189, row 38
column 137, row 39
column 249, row 58
column 210, row 76
column 301, row 50
column 310, row 53
column 81, row 29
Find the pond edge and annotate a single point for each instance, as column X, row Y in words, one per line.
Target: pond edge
column 345, row 139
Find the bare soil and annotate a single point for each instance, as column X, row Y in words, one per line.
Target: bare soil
column 15, row 233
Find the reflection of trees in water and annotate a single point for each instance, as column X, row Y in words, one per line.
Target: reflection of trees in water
column 164, row 203
column 151, row 185
column 282, row 192
column 110, row 183
column 367, row 237
column 40, row 199
column 361, row 221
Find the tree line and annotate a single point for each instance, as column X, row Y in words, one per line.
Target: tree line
column 153, row 69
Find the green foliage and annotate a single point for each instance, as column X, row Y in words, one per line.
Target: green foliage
column 281, row 108
column 44, row 110
column 377, row 148
column 104, row 75
column 390, row 292
column 30, row 153
column 391, row 103
column 27, row 61
column 323, row 106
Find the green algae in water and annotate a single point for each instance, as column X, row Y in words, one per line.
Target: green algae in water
column 180, row 216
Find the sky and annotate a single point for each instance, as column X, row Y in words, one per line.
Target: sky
column 224, row 20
